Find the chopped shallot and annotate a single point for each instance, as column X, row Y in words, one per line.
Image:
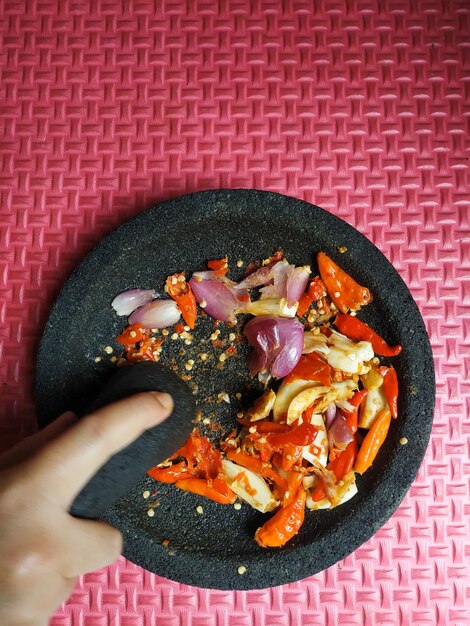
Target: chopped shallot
column 277, row 344
column 156, row 314
column 339, row 433
column 128, row 301
column 219, row 302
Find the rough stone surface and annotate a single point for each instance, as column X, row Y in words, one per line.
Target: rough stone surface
column 124, row 469
column 205, row 550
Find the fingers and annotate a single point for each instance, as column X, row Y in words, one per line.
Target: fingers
column 87, row 546
column 32, row 444
column 76, row 455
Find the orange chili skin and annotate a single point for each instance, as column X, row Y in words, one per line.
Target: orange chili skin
column 294, row 439
column 294, row 481
column 352, row 296
column 183, row 296
column 305, row 301
column 220, row 266
column 351, row 416
column 169, row 474
column 342, row 464
column 279, row 459
column 284, row 525
column 259, row 467
column 390, row 385
column 202, row 488
column 317, row 288
column 144, row 350
column 302, row 435
column 311, row 367
column 344, row 461
column 125, row 338
column 373, row 442
column 359, row 331
column 315, row 291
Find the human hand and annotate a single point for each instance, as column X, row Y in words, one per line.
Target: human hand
column 43, row 549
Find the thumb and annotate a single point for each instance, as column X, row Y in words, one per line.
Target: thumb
column 75, row 456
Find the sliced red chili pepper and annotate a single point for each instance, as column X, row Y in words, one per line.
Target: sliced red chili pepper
column 146, row 350
column 311, row 367
column 258, row 466
column 342, row 464
column 351, row 416
column 359, row 331
column 307, row 414
column 288, row 458
column 315, row 291
column 181, row 292
column 187, row 305
column 302, row 435
column 200, row 487
column 294, row 480
column 343, row 290
column 221, row 486
column 286, row 523
column 220, row 266
column 317, row 288
column 305, row 301
column 131, row 335
column 202, row 458
column 373, row 442
column 169, row 474
column 390, row 385
column 344, row 461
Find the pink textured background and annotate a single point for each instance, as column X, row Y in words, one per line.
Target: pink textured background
column 361, row 107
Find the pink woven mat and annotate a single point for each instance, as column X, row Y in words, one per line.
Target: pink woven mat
column 108, row 107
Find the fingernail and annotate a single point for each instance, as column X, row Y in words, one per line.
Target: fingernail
column 165, row 400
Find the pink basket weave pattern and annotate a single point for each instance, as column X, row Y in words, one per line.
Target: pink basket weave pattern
column 358, row 106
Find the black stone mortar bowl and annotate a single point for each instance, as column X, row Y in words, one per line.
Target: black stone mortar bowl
column 207, row 549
